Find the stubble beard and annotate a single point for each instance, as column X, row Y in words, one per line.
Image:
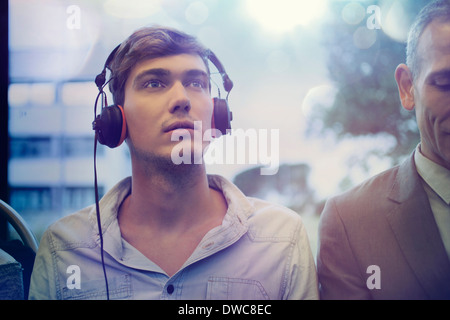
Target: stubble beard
column 157, row 166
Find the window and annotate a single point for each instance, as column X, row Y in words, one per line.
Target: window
column 25, row 199
column 75, row 198
column 80, row 147
column 30, row 147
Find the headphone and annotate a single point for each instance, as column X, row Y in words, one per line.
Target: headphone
column 110, row 125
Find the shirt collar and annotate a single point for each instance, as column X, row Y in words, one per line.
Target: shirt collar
column 238, row 203
column 436, row 176
column 235, row 220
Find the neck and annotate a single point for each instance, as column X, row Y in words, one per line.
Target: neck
column 168, row 196
column 169, row 212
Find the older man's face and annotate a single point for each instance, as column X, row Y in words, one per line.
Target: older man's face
column 432, row 92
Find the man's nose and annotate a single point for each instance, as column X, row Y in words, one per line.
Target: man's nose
column 180, row 99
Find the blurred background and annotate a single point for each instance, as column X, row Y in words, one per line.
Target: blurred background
column 320, row 72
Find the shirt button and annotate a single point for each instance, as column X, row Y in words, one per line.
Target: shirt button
column 170, row 289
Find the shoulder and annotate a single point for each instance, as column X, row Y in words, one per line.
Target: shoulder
column 364, row 206
column 269, row 212
column 265, row 220
column 274, row 221
column 72, row 231
column 369, row 193
column 80, row 229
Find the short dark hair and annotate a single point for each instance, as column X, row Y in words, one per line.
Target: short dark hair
column 149, row 43
column 439, row 9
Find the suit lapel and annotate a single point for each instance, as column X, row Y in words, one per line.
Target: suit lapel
column 415, row 229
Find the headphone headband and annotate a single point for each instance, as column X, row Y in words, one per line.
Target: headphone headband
column 227, row 83
column 100, row 79
column 110, row 125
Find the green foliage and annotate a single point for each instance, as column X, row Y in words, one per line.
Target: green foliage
column 367, row 101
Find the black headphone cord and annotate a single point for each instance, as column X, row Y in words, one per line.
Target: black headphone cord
column 98, row 218
column 97, row 205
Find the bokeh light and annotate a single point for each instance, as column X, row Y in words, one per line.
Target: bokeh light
column 284, row 15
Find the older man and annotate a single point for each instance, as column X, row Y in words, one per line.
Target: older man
column 389, row 238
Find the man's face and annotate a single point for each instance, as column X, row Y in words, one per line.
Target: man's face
column 163, row 95
column 432, row 92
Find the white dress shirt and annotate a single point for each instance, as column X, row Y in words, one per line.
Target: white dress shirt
column 436, row 181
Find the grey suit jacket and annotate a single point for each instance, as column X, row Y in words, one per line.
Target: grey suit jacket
column 384, row 222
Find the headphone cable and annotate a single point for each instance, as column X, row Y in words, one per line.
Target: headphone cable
column 97, row 206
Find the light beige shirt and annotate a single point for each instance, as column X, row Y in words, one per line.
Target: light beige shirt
column 260, row 251
column 437, row 186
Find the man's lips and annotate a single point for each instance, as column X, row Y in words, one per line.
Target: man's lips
column 179, row 125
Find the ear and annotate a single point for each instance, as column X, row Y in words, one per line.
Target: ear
column 404, row 79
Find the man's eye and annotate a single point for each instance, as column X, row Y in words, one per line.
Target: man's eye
column 153, row 84
column 443, row 87
column 442, row 83
column 197, row 84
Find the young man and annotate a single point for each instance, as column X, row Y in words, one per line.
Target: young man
column 389, row 238
column 171, row 231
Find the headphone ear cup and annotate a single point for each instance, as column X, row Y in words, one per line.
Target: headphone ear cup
column 222, row 116
column 111, row 126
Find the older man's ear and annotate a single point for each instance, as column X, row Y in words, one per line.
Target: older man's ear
column 404, row 79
